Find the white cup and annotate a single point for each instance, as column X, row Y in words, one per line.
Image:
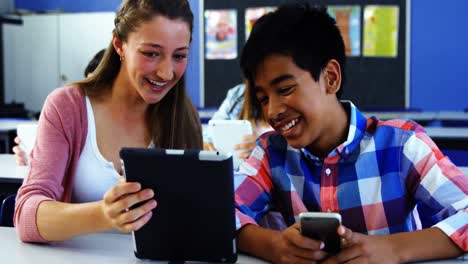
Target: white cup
column 27, row 135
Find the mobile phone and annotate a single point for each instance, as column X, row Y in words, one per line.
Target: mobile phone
column 323, row 227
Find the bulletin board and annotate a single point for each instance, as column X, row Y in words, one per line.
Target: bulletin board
column 373, row 82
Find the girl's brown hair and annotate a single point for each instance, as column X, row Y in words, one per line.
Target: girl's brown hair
column 249, row 110
column 174, row 121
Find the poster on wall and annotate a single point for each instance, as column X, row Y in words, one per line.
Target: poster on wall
column 348, row 20
column 220, row 34
column 381, row 31
column 252, row 15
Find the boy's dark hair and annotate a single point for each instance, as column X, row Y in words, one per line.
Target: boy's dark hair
column 94, row 62
column 307, row 34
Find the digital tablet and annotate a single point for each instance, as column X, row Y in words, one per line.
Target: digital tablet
column 194, row 219
column 227, row 133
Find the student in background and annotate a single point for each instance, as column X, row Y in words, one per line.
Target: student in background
column 93, row 63
column 324, row 155
column 135, row 98
column 20, row 155
column 235, row 107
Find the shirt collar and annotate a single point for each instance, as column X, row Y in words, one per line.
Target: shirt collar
column 356, row 130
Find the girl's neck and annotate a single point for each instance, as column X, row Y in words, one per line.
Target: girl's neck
column 121, row 103
column 124, row 97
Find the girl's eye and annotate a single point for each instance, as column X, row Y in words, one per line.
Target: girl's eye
column 150, row 54
column 180, row 56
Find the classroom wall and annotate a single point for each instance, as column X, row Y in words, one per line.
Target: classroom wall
column 68, row 6
column 439, row 56
column 193, row 70
column 438, row 62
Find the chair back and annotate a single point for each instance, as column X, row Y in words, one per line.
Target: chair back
column 7, row 210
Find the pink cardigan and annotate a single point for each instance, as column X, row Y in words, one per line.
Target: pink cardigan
column 61, row 136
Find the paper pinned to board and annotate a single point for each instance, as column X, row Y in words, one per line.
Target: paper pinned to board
column 348, row 20
column 381, row 31
column 221, row 34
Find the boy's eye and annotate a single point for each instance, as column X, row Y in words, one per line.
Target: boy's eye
column 262, row 99
column 285, row 90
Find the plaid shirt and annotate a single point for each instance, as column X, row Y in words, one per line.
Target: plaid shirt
column 374, row 180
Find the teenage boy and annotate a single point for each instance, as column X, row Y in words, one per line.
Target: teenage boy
column 324, row 155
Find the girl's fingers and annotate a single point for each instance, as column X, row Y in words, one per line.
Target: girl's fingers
column 249, row 138
column 208, row 146
column 21, row 161
column 18, row 151
column 121, row 189
column 135, row 225
column 127, row 201
column 20, row 156
column 244, row 155
column 136, row 213
column 245, row 146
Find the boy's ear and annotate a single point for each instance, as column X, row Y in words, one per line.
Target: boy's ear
column 332, row 76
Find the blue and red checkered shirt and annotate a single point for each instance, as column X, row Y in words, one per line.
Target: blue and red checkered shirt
column 374, row 180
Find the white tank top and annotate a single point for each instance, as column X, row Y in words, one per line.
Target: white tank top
column 94, row 175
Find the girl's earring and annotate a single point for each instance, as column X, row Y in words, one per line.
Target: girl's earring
column 122, row 58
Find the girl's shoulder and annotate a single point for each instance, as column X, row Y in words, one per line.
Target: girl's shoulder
column 65, row 97
column 65, row 103
column 67, row 91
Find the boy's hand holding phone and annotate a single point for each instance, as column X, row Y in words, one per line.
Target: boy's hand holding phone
column 361, row 248
column 291, row 247
column 322, row 227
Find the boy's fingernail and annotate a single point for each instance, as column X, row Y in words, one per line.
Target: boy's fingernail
column 341, row 230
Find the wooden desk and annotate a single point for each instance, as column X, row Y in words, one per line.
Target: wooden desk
column 94, row 248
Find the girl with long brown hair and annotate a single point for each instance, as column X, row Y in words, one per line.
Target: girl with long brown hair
column 135, row 98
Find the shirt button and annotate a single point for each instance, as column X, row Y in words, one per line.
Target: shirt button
column 328, row 171
column 329, row 210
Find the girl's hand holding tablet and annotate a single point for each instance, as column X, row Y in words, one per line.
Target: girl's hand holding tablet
column 121, row 197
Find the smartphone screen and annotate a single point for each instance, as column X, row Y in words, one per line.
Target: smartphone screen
column 323, row 227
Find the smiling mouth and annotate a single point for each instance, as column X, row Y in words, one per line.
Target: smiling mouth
column 156, row 84
column 289, row 125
